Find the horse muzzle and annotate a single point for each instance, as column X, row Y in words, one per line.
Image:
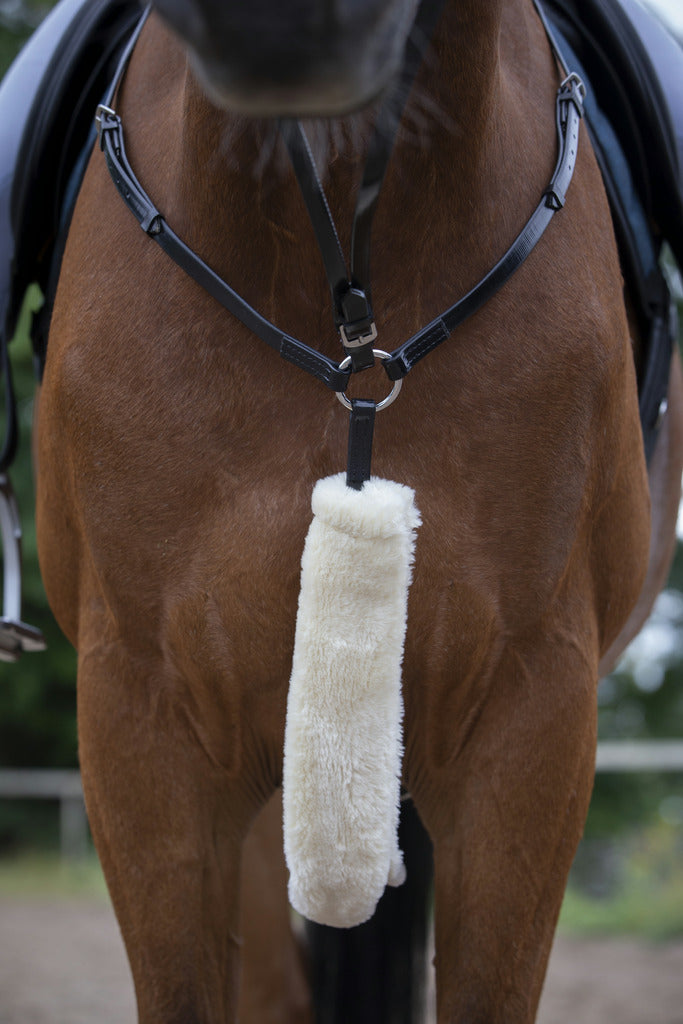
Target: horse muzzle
column 315, row 58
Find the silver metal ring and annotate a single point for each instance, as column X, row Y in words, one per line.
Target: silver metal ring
column 393, row 394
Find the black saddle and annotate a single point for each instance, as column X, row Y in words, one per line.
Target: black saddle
column 633, row 69
column 47, row 105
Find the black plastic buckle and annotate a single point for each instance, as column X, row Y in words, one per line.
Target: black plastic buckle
column 554, row 199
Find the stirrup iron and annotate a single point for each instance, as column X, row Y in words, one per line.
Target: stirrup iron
column 16, row 636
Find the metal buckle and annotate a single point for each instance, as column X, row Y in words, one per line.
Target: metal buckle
column 103, row 111
column 360, row 340
column 573, row 90
column 17, row 638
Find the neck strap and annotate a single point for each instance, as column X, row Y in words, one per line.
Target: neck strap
column 351, row 288
column 568, row 113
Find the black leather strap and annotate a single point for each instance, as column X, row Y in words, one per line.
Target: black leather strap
column 11, row 436
column 361, row 428
column 351, row 288
column 351, row 306
column 153, row 223
column 654, row 386
column 383, row 139
column 124, row 59
column 569, row 111
column 306, row 173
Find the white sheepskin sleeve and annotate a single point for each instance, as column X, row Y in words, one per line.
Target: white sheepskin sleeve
column 343, row 737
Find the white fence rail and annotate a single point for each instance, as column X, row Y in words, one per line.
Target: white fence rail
column 640, row 756
column 52, row 784
column 65, row 785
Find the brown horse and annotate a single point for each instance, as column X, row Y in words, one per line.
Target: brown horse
column 177, row 455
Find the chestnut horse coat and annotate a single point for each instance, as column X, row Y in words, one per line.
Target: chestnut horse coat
column 176, row 460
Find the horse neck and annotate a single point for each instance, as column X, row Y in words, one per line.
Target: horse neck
column 463, row 75
column 226, row 179
column 460, row 87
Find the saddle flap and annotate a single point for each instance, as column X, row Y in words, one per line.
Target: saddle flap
column 636, row 69
column 47, row 105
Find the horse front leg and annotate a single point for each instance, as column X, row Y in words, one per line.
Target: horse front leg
column 168, row 821
column 505, row 812
column 274, row 986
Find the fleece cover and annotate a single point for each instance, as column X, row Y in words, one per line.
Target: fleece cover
column 343, row 737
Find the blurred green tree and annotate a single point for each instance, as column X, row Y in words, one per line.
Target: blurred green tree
column 37, row 695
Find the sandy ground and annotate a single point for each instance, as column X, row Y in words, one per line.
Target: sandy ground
column 63, row 963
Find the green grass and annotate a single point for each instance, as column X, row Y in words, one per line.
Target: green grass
column 655, row 915
column 46, row 877
column 647, row 899
column 647, row 902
